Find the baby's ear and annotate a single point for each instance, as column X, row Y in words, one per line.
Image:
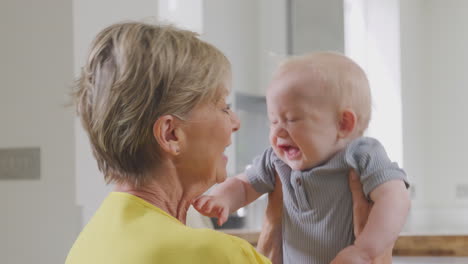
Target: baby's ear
column 347, row 123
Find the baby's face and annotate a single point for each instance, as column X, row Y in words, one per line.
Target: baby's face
column 303, row 123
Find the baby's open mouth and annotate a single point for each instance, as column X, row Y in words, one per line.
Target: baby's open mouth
column 290, row 151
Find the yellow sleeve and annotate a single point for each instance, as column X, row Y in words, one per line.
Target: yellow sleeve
column 250, row 253
column 216, row 247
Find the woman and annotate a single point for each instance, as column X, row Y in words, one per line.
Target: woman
column 153, row 102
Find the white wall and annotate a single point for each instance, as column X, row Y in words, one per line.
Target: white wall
column 273, row 39
column 38, row 219
column 414, row 94
column 233, row 27
column 182, row 13
column 434, row 65
column 383, row 68
column 89, row 17
column 372, row 39
column 447, row 42
column 317, row 25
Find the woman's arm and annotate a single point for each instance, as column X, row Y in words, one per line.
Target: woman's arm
column 386, row 219
column 361, row 211
column 270, row 242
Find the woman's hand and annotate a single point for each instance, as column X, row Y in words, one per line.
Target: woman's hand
column 361, row 210
column 270, row 242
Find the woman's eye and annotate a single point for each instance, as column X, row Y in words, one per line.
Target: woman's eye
column 227, row 109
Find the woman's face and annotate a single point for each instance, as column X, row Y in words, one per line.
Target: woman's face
column 208, row 131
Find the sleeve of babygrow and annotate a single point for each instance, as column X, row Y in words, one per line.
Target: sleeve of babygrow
column 369, row 158
column 261, row 173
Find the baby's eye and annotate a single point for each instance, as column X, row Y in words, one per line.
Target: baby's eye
column 291, row 120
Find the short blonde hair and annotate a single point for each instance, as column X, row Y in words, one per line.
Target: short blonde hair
column 344, row 79
column 136, row 73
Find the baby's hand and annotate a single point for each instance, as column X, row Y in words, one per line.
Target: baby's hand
column 212, row 207
column 352, row 255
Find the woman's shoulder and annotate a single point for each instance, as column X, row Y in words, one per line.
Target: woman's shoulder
column 209, row 240
column 174, row 242
column 218, row 247
column 127, row 230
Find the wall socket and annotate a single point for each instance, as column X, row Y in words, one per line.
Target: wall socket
column 461, row 191
column 20, row 164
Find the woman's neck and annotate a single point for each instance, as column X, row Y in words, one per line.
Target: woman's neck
column 166, row 192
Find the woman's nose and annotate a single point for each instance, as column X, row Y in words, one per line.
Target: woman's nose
column 235, row 122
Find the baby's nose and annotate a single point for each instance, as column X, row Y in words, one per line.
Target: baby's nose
column 281, row 132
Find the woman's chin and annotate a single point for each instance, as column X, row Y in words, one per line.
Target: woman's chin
column 221, row 172
column 221, row 177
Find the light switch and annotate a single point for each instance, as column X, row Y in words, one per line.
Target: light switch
column 20, row 164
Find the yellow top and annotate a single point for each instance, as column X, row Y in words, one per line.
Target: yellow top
column 127, row 229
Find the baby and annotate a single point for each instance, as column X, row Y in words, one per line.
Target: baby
column 319, row 106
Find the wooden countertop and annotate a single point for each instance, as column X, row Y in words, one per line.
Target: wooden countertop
column 406, row 245
column 432, row 245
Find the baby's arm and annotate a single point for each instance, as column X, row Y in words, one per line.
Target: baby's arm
column 386, row 219
column 227, row 197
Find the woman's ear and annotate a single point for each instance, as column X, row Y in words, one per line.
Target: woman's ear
column 347, row 123
column 165, row 131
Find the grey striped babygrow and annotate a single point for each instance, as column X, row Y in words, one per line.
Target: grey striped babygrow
column 317, row 215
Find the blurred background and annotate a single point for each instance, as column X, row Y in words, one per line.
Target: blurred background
column 413, row 51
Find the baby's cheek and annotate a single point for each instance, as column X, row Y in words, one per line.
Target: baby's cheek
column 272, row 138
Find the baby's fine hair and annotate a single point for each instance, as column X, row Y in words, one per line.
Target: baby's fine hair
column 344, row 79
